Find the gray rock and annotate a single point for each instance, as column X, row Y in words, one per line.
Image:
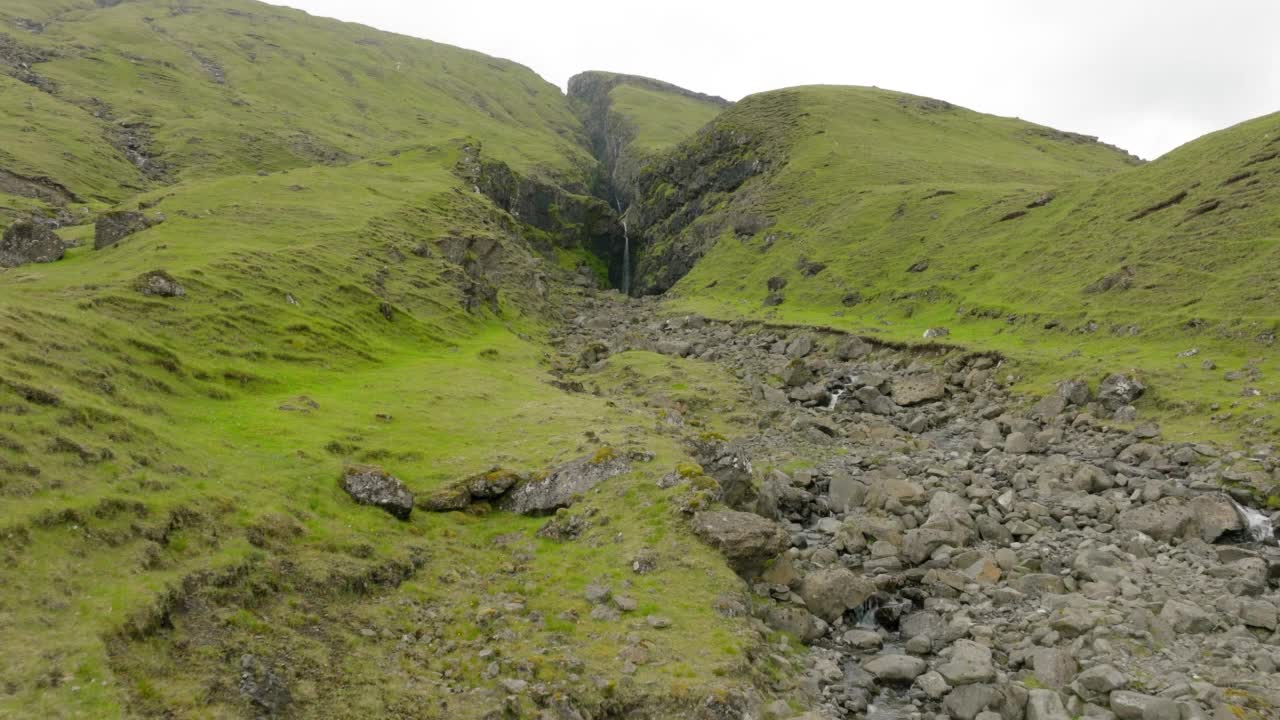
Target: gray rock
column 800, row 347
column 1215, row 516
column 1162, row 521
column 862, row 639
column 262, row 686
column 1186, row 617
column 745, row 539
column 926, row 623
column 1075, row 392
column 797, row 621
column 933, row 684
column 917, row 389
column 1046, row 705
column 964, row 703
column 563, row 485
column 853, row 348
column 895, row 668
column 845, row 492
column 110, row 228
column 1097, row 683
column 1118, row 390
column 829, row 592
column 371, row 485
column 159, row 283
column 1249, row 576
column 1053, row 667
column 674, row 348
column 1017, row 444
column 1130, row 705
column 27, row 242
column 1259, row 614
column 969, row 663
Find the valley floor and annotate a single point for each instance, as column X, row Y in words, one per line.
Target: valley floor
column 949, row 552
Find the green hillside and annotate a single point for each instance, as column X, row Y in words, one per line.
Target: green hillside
column 297, row 248
column 169, row 465
column 891, row 214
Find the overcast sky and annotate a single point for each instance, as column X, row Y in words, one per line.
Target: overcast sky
column 1147, row 75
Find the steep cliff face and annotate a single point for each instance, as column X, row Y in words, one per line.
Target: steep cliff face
column 629, row 118
column 567, row 220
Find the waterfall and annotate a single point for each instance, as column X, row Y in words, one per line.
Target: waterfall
column 835, row 398
column 1257, row 523
column 626, row 259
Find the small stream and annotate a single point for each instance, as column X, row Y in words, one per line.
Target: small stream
column 1257, row 523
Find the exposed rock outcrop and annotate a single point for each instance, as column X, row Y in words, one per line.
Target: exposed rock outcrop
column 29, row 242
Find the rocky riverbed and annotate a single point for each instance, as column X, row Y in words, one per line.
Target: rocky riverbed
column 947, row 550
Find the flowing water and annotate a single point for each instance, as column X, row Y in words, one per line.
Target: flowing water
column 1257, row 523
column 626, row 260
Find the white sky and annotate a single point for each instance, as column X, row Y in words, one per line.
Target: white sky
column 1147, row 75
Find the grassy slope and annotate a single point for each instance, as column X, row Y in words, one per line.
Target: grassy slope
column 163, row 515
column 661, row 119
column 859, row 193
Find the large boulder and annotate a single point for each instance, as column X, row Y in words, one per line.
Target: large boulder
column 795, row 620
column 1118, row 390
column 561, row 486
column 969, row 663
column 1186, row 617
column 1164, row 520
column 27, row 242
column 110, row 228
column 1215, row 515
column 829, row 592
column 371, row 485
column 917, row 389
column 895, row 668
column 1046, row 705
column 745, row 539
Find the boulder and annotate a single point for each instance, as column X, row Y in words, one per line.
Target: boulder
column 969, row 663
column 829, row 592
column 1260, row 614
column 845, row 492
column 562, row 486
column 800, row 347
column 371, row 485
column 1186, row 617
column 158, row 283
column 1162, row 521
column 745, row 539
column 895, row 668
column 1136, row 706
column 1053, row 667
column 964, row 703
column 917, row 389
column 1119, row 390
column 853, row 348
column 674, row 348
column 27, row 242
column 796, row 621
column 1097, row 683
column 113, row 227
column 1045, row 705
column 1215, row 516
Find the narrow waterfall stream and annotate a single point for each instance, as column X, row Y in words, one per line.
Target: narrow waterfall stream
column 626, row 247
column 626, row 259
column 1257, row 523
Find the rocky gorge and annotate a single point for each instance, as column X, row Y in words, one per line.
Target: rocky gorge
column 947, row 549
